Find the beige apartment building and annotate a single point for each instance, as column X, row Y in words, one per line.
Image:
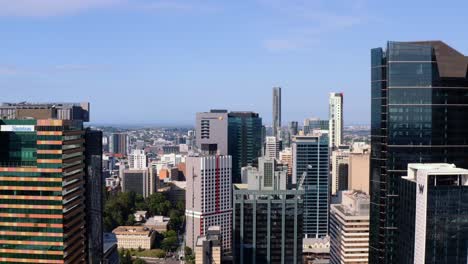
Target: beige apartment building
column 134, row 237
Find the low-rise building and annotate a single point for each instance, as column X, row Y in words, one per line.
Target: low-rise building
column 140, row 215
column 134, row 237
column 157, row 223
column 208, row 249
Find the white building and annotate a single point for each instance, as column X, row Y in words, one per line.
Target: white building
column 271, row 147
column 285, row 157
column 336, row 119
column 340, row 170
column 208, row 197
column 137, row 160
column 349, row 229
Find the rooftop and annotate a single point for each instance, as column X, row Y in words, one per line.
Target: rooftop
column 132, row 230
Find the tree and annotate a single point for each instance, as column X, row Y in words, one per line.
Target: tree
column 139, row 261
column 160, row 253
column 169, row 243
column 125, row 257
column 189, row 257
column 157, row 204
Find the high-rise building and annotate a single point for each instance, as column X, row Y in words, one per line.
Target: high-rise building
column 285, row 157
column 312, row 124
column 336, row 119
column 270, row 175
column 293, row 128
column 208, row 198
column 349, row 229
column 267, row 221
column 276, row 111
column 358, row 171
column 432, row 215
column 118, row 143
column 140, row 181
column 271, row 147
column 418, row 115
column 245, row 140
column 311, row 159
column 48, row 164
column 212, row 132
column 340, row 167
column 137, row 160
column 208, row 249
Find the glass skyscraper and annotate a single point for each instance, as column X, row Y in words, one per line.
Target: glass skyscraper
column 244, row 140
column 311, row 156
column 419, row 109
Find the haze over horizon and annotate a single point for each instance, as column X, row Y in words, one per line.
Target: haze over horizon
column 161, row 61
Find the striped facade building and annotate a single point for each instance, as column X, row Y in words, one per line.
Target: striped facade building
column 42, row 191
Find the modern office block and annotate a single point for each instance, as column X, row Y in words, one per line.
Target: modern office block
column 212, row 132
column 270, row 175
column 311, row 156
column 271, row 148
column 340, row 167
column 245, row 140
column 293, row 128
column 143, row 182
column 336, row 119
column 47, row 167
column 285, row 157
column 349, row 229
column 419, row 107
column 208, row 249
column 276, row 111
column 311, row 124
column 267, row 223
column 118, row 143
column 209, row 198
column 137, row 160
column 432, row 214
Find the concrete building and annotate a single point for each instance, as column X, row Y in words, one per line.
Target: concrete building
column 432, row 214
column 270, row 175
column 336, row 119
column 208, row 199
column 212, row 132
column 50, row 167
column 134, row 237
column 349, row 229
column 285, row 157
column 137, row 160
column 340, row 170
column 158, row 223
column 316, row 250
column 118, row 144
column 208, row 249
column 311, row 158
column 272, row 148
column 276, row 111
column 144, row 182
column 314, row 123
column 359, row 162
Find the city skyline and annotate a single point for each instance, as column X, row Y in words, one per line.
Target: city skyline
column 136, row 54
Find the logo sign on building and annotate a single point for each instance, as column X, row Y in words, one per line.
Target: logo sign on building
column 17, row 128
column 421, row 188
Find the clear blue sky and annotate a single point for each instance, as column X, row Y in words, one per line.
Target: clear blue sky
column 160, row 61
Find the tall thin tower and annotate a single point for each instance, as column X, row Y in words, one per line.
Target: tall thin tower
column 336, row 119
column 276, row 111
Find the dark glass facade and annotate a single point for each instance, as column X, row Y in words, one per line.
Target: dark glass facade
column 267, row 226
column 419, row 106
column 244, row 140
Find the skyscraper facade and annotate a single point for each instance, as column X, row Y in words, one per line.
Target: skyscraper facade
column 336, row 119
column 340, row 167
column 311, row 156
column 118, row 143
column 271, row 147
column 419, row 107
column 311, row 124
column 209, row 198
column 276, row 111
column 137, row 160
column 244, row 140
column 432, row 215
column 212, row 132
column 46, row 167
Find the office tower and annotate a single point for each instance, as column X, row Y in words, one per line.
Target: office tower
column 137, row 160
column 432, row 214
column 293, row 128
column 212, row 132
column 47, row 165
column 311, row 124
column 276, row 111
column 267, row 223
column 140, row 181
column 349, row 229
column 271, row 147
column 418, row 115
column 311, row 156
column 358, row 177
column 285, row 157
column 245, row 140
column 336, row 119
column 340, row 167
column 209, row 198
column 208, row 249
column 94, row 200
column 118, row 143
column 270, row 175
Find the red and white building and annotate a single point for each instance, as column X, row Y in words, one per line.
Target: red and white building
column 208, row 197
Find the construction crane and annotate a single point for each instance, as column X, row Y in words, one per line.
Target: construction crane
column 304, row 175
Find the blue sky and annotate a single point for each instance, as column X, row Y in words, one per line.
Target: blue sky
column 160, row 61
